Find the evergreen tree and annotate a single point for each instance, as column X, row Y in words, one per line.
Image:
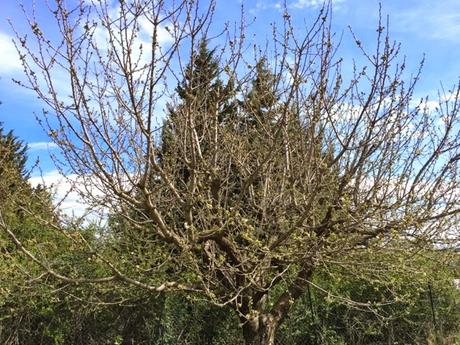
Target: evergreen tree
column 25, row 210
column 260, row 104
column 12, row 167
column 203, row 92
column 12, row 153
column 18, row 199
column 202, row 87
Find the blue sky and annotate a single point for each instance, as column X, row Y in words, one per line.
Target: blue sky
column 424, row 27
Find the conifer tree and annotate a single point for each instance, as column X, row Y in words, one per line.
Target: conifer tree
column 260, row 103
column 13, row 177
column 22, row 209
column 12, row 154
column 204, row 93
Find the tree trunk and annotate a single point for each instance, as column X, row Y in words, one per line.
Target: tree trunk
column 261, row 330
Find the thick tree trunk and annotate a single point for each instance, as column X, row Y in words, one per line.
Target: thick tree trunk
column 261, row 330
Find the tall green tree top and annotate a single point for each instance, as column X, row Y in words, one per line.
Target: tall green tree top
column 203, row 91
column 262, row 98
column 12, row 152
column 202, row 75
column 202, row 86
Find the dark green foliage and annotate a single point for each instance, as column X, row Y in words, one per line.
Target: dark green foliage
column 202, row 90
column 12, row 153
column 29, row 213
column 197, row 322
column 66, row 317
column 260, row 104
column 202, row 87
column 357, row 310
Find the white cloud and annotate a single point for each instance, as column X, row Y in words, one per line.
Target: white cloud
column 66, row 192
column 301, row 4
column 63, row 188
column 10, row 62
column 101, row 34
column 265, row 5
column 41, row 145
column 293, row 5
column 163, row 35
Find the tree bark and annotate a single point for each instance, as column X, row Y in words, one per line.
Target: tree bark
column 260, row 330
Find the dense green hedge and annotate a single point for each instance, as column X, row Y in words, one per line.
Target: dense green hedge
column 48, row 313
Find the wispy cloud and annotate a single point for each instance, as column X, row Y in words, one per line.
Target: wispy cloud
column 10, row 62
column 431, row 19
column 41, row 145
column 266, row 5
column 292, row 5
column 301, row 4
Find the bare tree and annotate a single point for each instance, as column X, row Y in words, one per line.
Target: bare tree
column 306, row 169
